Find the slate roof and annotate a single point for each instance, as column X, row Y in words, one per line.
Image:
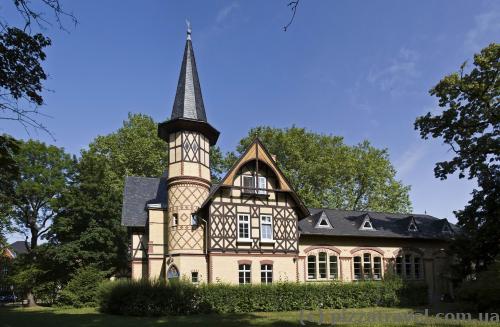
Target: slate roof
column 137, row 194
column 141, row 191
column 188, row 101
column 393, row 225
column 19, row 247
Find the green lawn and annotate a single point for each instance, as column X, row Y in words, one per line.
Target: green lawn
column 87, row 317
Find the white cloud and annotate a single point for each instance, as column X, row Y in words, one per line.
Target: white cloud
column 487, row 25
column 399, row 74
column 411, row 158
column 225, row 12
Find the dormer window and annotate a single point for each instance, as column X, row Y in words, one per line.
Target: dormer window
column 412, row 227
column 446, row 228
column 323, row 222
column 367, row 224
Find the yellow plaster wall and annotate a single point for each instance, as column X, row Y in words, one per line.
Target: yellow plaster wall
column 225, row 268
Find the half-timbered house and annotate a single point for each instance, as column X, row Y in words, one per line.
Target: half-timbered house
column 252, row 227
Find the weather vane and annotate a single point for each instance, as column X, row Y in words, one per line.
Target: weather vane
column 188, row 23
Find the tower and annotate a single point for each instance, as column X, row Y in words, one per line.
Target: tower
column 189, row 137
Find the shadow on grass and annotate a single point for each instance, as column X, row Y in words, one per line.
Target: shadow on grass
column 42, row 317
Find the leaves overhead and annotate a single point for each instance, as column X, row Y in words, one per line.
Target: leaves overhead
column 469, row 123
column 326, row 173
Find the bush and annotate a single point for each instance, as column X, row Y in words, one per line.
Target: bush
column 145, row 298
column 482, row 294
column 82, row 289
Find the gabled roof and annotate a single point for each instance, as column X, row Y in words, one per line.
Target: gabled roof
column 257, row 151
column 137, row 194
column 391, row 225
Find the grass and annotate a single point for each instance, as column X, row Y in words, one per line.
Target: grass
column 89, row 317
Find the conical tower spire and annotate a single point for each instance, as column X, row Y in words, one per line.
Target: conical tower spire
column 188, row 99
column 188, row 112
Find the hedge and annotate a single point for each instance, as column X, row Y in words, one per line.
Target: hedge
column 145, row 298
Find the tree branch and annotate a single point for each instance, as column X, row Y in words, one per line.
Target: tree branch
column 293, row 6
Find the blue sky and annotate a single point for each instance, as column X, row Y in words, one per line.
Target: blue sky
column 358, row 69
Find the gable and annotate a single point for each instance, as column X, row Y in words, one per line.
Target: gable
column 257, row 152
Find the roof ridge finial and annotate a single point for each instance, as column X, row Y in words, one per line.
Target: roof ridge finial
column 188, row 23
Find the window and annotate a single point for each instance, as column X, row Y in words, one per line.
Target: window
column 446, row 228
column 172, row 273
column 367, row 266
column 322, row 264
column 412, row 227
column 194, row 220
column 266, row 228
column 377, row 268
column 357, row 267
column 408, row 265
column 248, row 184
column 412, row 266
column 416, row 267
column 266, row 274
column 262, row 185
column 194, row 277
column 175, row 219
column 367, row 225
column 244, row 227
column 399, row 266
column 244, row 273
column 311, row 267
column 334, row 267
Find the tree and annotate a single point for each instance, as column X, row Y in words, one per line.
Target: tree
column 45, row 172
column 44, row 175
column 327, row 173
column 469, row 124
column 21, row 56
column 9, row 173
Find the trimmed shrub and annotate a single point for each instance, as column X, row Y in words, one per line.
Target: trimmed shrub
column 82, row 289
column 145, row 298
column 482, row 294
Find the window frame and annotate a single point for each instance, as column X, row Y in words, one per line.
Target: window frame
column 270, row 224
column 258, row 180
column 266, row 273
column 245, row 188
column 336, row 265
column 313, row 265
column 248, row 228
column 244, row 274
column 195, row 275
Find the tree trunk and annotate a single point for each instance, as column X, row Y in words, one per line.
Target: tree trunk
column 31, row 299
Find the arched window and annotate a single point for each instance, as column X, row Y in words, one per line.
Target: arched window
column 322, row 265
column 172, row 273
column 409, row 266
column 367, row 266
column 311, row 267
column 357, row 267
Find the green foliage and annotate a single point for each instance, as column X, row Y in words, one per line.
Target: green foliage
column 9, row 174
column 470, row 124
column 327, row 173
column 145, row 298
column 82, row 289
column 45, row 172
column 481, row 295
